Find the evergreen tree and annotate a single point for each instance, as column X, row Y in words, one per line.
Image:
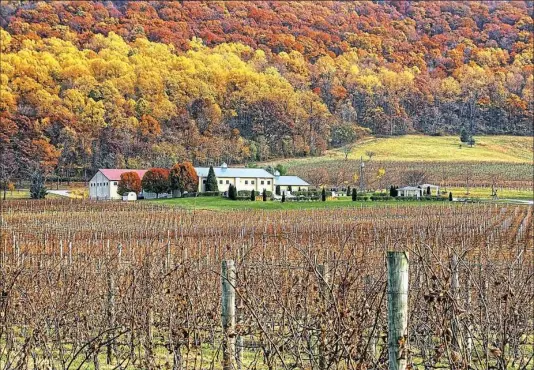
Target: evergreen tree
column 264, row 195
column 253, row 195
column 428, row 190
column 348, row 191
column 450, row 196
column 211, row 181
column 283, row 197
column 323, row 195
column 391, row 191
column 232, row 192
column 277, row 190
column 37, row 187
column 354, row 194
column 464, row 135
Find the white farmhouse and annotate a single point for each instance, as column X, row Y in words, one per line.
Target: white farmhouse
column 103, row 185
column 242, row 178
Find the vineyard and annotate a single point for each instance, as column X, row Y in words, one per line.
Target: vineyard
column 116, row 285
column 513, row 176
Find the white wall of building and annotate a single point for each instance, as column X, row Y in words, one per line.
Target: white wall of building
column 242, row 183
column 100, row 187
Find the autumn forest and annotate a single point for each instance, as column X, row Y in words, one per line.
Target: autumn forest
column 124, row 84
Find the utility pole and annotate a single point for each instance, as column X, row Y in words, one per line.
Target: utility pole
column 362, row 165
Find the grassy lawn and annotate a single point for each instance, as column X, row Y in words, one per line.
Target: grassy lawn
column 219, row 203
column 485, row 193
column 420, row 148
column 23, row 194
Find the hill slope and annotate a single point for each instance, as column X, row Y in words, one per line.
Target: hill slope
column 89, row 84
column 506, row 161
column 419, row 148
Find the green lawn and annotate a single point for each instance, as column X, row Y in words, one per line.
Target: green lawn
column 421, row 148
column 219, row 203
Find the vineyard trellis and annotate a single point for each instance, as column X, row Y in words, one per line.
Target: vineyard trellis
column 117, row 285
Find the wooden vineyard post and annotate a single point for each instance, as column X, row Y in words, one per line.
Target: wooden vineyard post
column 397, row 290
column 455, row 292
column 228, row 314
column 324, row 278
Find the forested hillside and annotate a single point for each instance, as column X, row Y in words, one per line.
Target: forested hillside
column 147, row 83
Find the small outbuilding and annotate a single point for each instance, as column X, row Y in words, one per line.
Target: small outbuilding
column 129, row 196
column 290, row 183
column 409, row 191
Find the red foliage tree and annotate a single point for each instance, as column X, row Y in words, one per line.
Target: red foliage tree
column 156, row 180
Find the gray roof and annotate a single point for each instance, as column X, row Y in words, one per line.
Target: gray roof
column 290, row 180
column 234, row 172
column 409, row 188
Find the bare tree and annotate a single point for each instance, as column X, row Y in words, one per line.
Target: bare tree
column 414, row 177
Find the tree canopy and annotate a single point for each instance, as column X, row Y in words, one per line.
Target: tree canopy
column 130, row 84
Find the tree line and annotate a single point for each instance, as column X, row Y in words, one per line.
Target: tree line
column 88, row 85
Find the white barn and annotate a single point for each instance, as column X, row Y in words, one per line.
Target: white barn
column 104, row 184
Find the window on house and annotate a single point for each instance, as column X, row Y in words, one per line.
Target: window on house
column 246, row 182
column 269, row 182
column 115, row 183
column 262, row 182
column 252, row 182
column 227, row 181
column 203, row 181
column 220, row 182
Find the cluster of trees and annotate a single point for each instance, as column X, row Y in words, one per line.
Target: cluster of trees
column 180, row 178
column 87, row 85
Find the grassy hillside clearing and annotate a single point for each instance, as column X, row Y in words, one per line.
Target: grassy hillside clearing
column 417, row 148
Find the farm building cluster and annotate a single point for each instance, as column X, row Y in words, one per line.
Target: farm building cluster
column 104, row 184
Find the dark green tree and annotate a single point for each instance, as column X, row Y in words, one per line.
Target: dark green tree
column 464, row 135
column 232, row 192
column 264, row 195
column 277, row 190
column 37, row 187
column 253, row 195
column 283, row 197
column 354, row 194
column 211, row 181
column 323, row 195
column 348, row 191
column 428, row 190
column 450, row 196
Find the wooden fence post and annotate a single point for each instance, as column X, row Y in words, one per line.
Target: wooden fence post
column 397, row 290
column 228, row 314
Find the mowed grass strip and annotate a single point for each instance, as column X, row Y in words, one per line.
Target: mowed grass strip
column 220, row 203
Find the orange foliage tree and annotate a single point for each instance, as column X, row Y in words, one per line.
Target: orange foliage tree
column 130, row 181
column 183, row 177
